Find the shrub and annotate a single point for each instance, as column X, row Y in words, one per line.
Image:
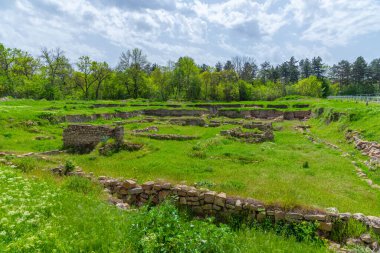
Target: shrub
column 344, row 230
column 69, row 166
column 164, row 229
column 305, row 165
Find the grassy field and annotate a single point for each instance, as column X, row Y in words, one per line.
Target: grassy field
column 273, row 172
column 270, row 171
column 71, row 215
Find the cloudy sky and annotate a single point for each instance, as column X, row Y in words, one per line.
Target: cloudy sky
column 207, row 30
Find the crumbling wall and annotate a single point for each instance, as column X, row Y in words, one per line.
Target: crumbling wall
column 84, row 138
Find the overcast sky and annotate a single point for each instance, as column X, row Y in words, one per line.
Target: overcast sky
column 207, row 30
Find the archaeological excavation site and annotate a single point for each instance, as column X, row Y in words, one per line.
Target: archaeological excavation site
column 303, row 170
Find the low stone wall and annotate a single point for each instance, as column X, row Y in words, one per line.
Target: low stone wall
column 250, row 137
column 204, row 202
column 188, row 121
column 80, row 118
column 259, row 125
column 173, row 137
column 368, row 148
column 174, row 112
column 84, row 138
column 265, row 114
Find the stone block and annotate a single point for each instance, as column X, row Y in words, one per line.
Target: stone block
column 325, row 226
column 220, row 199
column 209, row 197
column 292, row 216
column 315, row 217
column 135, row 191
column 129, row 184
column 147, row 186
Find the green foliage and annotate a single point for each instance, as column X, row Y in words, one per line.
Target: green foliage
column 164, row 229
column 311, row 86
column 69, row 166
column 81, row 185
column 26, row 164
column 342, row 230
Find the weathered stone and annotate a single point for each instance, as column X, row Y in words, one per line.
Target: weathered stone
column 359, row 217
column 228, row 206
column 166, row 186
column 325, row 226
column 182, row 193
column 129, row 184
column 220, row 199
column 123, row 206
column 230, row 201
column 193, row 193
column 147, row 186
column 345, row 216
column 192, row 198
column 366, row 238
column 217, row 208
column 291, row 216
column 182, row 201
column 207, row 207
column 157, row 187
column 136, row 190
column 279, row 215
column 162, row 195
column 238, row 205
column 193, row 203
column 315, row 217
column 209, row 197
column 261, row 216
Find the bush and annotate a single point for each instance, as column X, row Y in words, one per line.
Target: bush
column 69, row 166
column 164, row 229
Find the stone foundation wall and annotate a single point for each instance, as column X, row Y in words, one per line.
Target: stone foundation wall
column 175, row 112
column 204, row 203
column 80, row 118
column 84, row 138
column 266, row 114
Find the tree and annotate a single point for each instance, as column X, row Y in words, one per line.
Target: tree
column 7, row 59
column 341, row 73
column 57, row 70
column 84, row 79
column 161, row 80
column 132, row 69
column 317, row 68
column 186, row 78
column 375, row 73
column 293, row 70
column 218, row 67
column 359, row 75
column 311, row 86
column 228, row 66
column 101, row 72
column 264, row 71
column 305, row 68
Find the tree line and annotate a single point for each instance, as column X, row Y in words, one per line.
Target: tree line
column 52, row 76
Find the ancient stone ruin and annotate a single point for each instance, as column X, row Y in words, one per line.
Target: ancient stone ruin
column 368, row 148
column 188, row 121
column 203, row 202
column 84, row 138
column 250, row 137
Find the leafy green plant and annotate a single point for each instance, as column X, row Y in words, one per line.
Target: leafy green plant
column 343, row 230
column 69, row 166
column 165, row 229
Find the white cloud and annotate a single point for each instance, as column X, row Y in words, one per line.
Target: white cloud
column 206, row 30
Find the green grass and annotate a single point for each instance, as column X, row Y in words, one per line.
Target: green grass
column 271, row 171
column 71, row 216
